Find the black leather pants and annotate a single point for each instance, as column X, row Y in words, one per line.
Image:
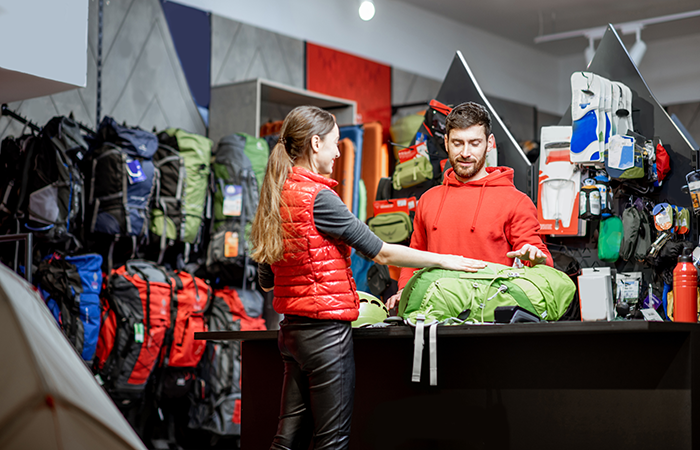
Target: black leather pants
column 319, row 384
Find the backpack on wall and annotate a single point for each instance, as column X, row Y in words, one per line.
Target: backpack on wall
column 217, row 390
column 59, row 283
column 167, row 210
column 119, row 177
column 181, row 349
column 235, row 199
column 440, row 294
column 196, row 153
column 135, row 318
column 89, row 268
column 51, row 193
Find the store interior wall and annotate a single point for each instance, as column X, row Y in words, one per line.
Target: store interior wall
column 29, row 63
column 242, row 52
column 143, row 83
column 418, row 41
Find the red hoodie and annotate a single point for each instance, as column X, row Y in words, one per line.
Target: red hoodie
column 480, row 219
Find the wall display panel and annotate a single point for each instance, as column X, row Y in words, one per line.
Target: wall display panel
column 460, row 86
column 142, row 80
column 613, row 62
column 241, row 52
column 343, row 75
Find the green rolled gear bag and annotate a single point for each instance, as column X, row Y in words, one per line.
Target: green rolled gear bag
column 444, row 295
column 412, row 172
column 610, row 239
column 195, row 150
column 394, row 228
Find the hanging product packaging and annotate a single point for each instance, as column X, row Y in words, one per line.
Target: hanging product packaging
column 589, row 200
column 663, row 216
column 681, row 222
column 693, row 179
column 629, row 287
column 602, row 182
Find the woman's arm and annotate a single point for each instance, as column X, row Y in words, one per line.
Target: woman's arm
column 400, row 255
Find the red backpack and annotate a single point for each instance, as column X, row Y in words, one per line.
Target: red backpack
column 181, row 351
column 135, row 319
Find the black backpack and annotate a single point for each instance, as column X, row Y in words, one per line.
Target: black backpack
column 167, row 211
column 59, row 282
column 51, row 193
column 217, row 389
column 12, row 157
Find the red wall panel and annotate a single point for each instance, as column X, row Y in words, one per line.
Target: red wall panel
column 339, row 74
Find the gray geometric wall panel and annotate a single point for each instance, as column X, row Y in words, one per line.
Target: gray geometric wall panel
column 81, row 102
column 142, row 80
column 241, row 52
column 460, row 86
column 407, row 88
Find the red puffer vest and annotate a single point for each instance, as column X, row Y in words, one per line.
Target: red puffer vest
column 314, row 277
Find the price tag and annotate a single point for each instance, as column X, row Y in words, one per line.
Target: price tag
column 233, row 200
column 231, row 244
column 138, row 332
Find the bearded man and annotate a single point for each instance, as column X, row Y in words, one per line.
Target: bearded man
column 477, row 212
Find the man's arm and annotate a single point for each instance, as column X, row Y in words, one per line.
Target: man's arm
column 523, row 232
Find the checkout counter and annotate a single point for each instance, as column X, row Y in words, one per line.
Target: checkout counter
column 573, row 385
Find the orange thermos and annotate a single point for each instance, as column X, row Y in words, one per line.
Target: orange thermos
column 685, row 285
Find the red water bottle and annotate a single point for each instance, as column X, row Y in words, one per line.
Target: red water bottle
column 685, row 286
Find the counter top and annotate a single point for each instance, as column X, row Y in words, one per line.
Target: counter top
column 554, row 328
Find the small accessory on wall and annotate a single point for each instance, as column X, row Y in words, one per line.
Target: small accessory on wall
column 663, row 216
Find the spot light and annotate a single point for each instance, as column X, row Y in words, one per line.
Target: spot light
column 366, row 10
column 590, row 51
column 639, row 48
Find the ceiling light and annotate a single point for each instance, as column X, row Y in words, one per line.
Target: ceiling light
column 366, row 10
column 590, row 51
column 639, row 48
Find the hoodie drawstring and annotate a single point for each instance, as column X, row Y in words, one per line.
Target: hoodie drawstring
column 478, row 205
column 442, row 202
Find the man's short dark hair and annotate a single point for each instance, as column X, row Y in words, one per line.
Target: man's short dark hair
column 466, row 115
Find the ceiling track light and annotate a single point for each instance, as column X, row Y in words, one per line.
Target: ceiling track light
column 366, row 10
column 639, row 48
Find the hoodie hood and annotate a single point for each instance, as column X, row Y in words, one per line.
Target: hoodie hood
column 497, row 176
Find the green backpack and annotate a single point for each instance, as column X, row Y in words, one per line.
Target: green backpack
column 412, row 172
column 441, row 295
column 393, row 227
column 195, row 151
column 258, row 152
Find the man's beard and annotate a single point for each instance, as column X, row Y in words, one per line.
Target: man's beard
column 466, row 173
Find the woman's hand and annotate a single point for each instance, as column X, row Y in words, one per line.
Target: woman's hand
column 455, row 262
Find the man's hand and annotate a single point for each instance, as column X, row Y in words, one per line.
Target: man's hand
column 393, row 300
column 529, row 252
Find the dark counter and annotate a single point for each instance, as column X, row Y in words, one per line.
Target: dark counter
column 521, row 386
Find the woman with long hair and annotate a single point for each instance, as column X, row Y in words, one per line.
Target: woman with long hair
column 302, row 235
